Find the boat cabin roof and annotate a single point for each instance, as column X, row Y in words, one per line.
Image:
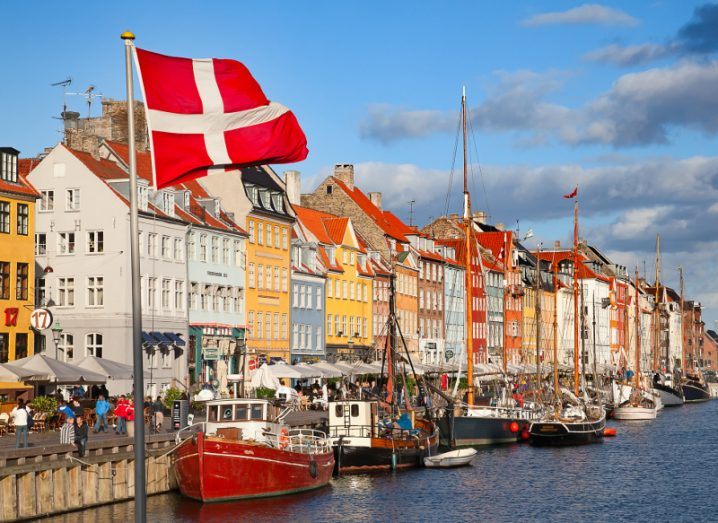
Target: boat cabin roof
column 240, row 410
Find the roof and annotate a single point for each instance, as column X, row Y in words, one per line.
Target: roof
column 583, row 272
column 495, row 241
column 23, row 186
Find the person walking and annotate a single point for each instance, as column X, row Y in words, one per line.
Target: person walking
column 121, row 414
column 20, row 416
column 101, row 409
column 158, row 414
column 82, row 432
column 67, row 432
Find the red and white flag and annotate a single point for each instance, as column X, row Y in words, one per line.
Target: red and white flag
column 211, row 113
column 572, row 194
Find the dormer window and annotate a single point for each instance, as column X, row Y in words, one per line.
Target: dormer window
column 277, row 202
column 168, row 203
column 253, row 194
column 185, row 201
column 265, row 196
column 8, row 164
column 142, row 197
column 216, row 207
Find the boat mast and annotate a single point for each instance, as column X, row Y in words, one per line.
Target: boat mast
column 537, row 308
column 575, row 297
column 683, row 326
column 507, row 287
column 556, row 288
column 638, row 335
column 656, row 309
column 468, row 233
column 391, row 338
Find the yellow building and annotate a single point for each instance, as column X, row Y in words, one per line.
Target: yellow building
column 17, row 257
column 348, row 307
column 530, row 315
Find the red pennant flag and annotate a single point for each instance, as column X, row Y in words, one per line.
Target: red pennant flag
column 211, row 114
column 572, row 194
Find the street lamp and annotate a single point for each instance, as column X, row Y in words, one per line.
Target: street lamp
column 56, row 335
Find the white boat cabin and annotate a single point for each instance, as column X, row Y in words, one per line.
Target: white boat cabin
column 252, row 416
column 353, row 418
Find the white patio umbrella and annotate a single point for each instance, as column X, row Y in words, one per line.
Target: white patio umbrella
column 282, row 370
column 113, row 369
column 263, row 377
column 327, row 369
column 49, row 370
column 9, row 372
column 355, row 369
column 308, row 371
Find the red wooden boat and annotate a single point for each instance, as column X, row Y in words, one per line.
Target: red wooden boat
column 244, row 451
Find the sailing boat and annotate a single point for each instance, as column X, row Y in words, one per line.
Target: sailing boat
column 640, row 405
column 695, row 390
column 571, row 421
column 468, row 424
column 377, row 435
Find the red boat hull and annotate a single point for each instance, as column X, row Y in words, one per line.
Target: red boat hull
column 217, row 469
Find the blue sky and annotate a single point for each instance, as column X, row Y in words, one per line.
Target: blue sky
column 617, row 97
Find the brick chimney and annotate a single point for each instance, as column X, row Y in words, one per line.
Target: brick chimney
column 293, row 181
column 375, row 198
column 345, row 173
column 500, row 226
column 480, row 217
column 557, row 244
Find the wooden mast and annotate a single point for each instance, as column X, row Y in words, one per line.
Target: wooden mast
column 683, row 327
column 575, row 297
column 638, row 334
column 656, row 309
column 556, row 384
column 537, row 315
column 468, row 233
column 507, row 287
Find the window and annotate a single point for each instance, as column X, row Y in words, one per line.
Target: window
column 285, row 280
column 66, row 347
column 329, row 324
column 203, row 247
column 250, row 322
column 166, row 294
column 40, row 292
column 226, row 252
column 5, row 280
column 151, row 293
column 260, row 325
column 319, row 338
column 40, row 244
column 260, row 276
column 268, row 281
column 191, row 240
column 337, row 329
column 351, row 290
column 20, row 345
column 194, row 296
column 295, row 336
column 65, row 292
column 276, row 279
column 166, row 247
column 142, row 197
column 178, row 253
column 93, row 344
column 330, row 288
column 284, row 239
column 47, row 201
column 269, row 235
column 319, row 298
column 4, row 347
column 152, row 244
column 284, row 326
column 295, row 295
column 21, row 281
column 344, row 289
column 66, row 243
column 95, row 242
column 238, row 254
column 22, row 219
column 72, row 199
column 95, row 291
column 251, row 275
column 215, row 249
column 179, row 295
column 5, row 217
column 251, row 231
column 276, row 236
column 344, row 325
column 260, row 234
column 268, row 325
column 276, row 325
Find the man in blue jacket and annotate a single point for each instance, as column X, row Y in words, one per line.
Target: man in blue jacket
column 102, row 407
column 66, row 410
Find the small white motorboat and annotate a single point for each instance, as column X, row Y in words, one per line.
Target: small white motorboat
column 454, row 458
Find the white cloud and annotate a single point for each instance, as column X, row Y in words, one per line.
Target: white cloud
column 584, row 14
column 618, row 55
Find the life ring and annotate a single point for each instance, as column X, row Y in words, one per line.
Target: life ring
column 283, row 438
column 312, row 467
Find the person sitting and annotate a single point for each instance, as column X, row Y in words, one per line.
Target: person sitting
column 81, row 435
column 65, row 409
column 67, row 432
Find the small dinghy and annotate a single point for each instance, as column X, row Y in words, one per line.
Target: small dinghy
column 455, row 458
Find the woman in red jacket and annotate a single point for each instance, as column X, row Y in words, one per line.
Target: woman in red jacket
column 121, row 414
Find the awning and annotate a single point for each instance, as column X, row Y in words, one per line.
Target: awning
column 148, row 339
column 175, row 339
column 164, row 340
column 49, row 370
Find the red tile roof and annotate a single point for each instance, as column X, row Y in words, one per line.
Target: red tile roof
column 23, row 186
column 313, row 220
column 584, row 272
column 336, row 228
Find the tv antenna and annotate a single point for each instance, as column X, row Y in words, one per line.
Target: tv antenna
column 64, row 84
column 411, row 212
column 89, row 95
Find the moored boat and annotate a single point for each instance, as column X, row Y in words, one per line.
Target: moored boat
column 695, row 390
column 485, row 426
column 451, row 459
column 574, row 425
column 244, row 451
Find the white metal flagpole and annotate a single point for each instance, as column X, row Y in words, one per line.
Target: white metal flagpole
column 139, row 424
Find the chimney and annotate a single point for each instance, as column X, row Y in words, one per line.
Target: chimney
column 375, row 198
column 293, row 182
column 345, row 173
column 557, row 244
column 454, row 216
column 480, row 217
column 500, row 226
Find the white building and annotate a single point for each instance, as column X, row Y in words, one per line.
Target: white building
column 83, row 254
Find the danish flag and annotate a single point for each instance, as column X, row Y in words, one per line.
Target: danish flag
column 205, row 114
column 572, row 194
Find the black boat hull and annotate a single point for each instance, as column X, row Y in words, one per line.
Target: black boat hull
column 669, row 396
column 695, row 392
column 353, row 459
column 557, row 433
column 470, row 431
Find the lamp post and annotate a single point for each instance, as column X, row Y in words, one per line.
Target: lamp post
column 56, row 335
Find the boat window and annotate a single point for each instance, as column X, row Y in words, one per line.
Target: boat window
column 213, row 411
column 338, row 411
column 227, row 413
column 257, row 412
column 241, row 411
column 355, row 410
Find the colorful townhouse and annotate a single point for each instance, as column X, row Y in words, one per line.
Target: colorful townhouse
column 349, row 311
column 257, row 199
column 17, row 263
column 454, row 309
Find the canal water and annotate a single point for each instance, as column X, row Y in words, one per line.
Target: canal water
column 665, row 470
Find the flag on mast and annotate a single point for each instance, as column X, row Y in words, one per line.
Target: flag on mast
column 205, row 114
column 572, row 194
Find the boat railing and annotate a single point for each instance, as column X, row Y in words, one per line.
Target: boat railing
column 304, row 441
column 508, row 412
column 190, row 430
column 368, row 431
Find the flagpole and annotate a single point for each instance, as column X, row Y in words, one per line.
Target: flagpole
column 139, row 440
